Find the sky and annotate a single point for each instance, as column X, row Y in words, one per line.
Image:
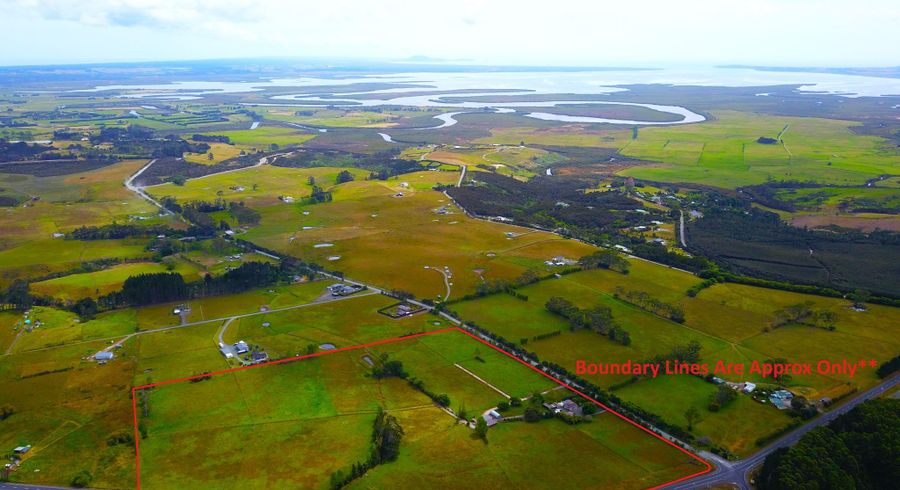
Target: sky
column 633, row 33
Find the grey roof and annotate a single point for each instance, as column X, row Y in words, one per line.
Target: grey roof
column 103, row 356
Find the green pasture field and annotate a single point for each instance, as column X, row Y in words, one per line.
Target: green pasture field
column 254, row 301
column 326, row 406
column 816, row 149
column 339, row 118
column 340, row 323
column 271, row 182
column 513, row 161
column 566, row 135
column 723, row 151
column 67, row 408
column 727, row 319
column 606, row 453
column 93, row 284
column 42, row 257
column 738, row 425
column 219, row 151
column 98, row 197
column 831, row 197
column 10, row 322
column 60, row 327
column 264, row 136
column 365, row 223
column 216, row 264
column 68, row 201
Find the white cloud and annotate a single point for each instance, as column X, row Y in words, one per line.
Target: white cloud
column 516, row 31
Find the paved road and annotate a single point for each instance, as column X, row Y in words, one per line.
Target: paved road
column 738, row 472
column 22, row 486
column 139, row 190
column 681, row 227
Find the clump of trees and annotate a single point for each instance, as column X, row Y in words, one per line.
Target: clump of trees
column 685, row 354
column 721, row 397
column 888, row 368
column 343, row 176
column 120, row 437
column 152, row 288
column 386, row 368
column 243, row 215
column 163, row 287
column 804, row 314
column 82, row 479
column 318, row 195
column 692, row 416
column 119, row 231
column 386, row 436
column 481, row 429
column 605, row 259
column 598, row 319
column 644, row 301
column 6, row 411
column 858, row 450
column 211, row 138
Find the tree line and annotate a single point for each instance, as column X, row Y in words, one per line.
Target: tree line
column 164, row 287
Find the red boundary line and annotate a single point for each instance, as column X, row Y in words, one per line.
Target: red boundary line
column 137, row 450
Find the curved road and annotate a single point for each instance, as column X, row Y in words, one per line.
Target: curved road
column 738, row 472
column 139, row 190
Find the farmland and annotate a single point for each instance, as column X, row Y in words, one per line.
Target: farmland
column 724, row 151
column 77, row 286
column 422, row 259
column 337, row 403
column 731, row 323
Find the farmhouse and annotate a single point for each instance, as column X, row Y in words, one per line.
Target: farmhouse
column 343, row 289
column 22, row 449
column 259, row 356
column 781, row 399
column 567, row 407
column 241, row 347
column 491, row 417
column 748, row 387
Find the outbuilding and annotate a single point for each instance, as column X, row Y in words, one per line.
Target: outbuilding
column 104, row 356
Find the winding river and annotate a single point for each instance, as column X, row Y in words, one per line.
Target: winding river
column 440, row 85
